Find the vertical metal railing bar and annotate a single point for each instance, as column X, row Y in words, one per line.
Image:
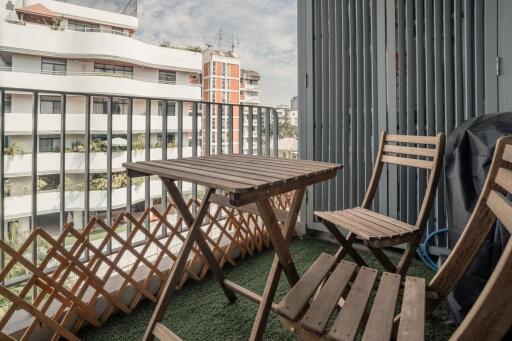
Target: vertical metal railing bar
column 165, row 114
column 439, row 102
column 468, row 59
column 35, row 110
column 367, row 96
column 2, row 174
column 109, row 167
column 194, row 151
column 147, row 157
column 206, row 121
column 275, row 132
column 448, row 65
column 353, row 105
column 87, row 161
column 359, row 147
column 267, row 131
column 420, row 87
column 479, row 57
column 402, row 103
column 62, row 161
column 33, row 218
column 411, row 42
column 259, row 130
column 218, row 125
column 430, row 85
column 250, row 133
column 345, row 73
column 129, row 140
column 380, row 105
column 332, row 101
column 338, row 51
column 392, row 100
column 324, row 98
column 241, row 112
column 230, row 128
column 458, row 62
column 179, row 137
column 317, row 93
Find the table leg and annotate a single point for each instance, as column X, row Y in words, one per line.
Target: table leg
column 212, row 263
column 195, row 234
column 275, row 271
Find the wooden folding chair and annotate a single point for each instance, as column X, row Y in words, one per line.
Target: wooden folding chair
column 378, row 230
column 306, row 310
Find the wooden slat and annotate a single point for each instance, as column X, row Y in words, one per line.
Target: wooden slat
column 380, row 322
column 297, row 164
column 407, row 162
column 411, row 139
column 430, row 152
column 412, row 317
column 298, row 296
column 501, row 207
column 163, row 333
column 318, row 313
column 334, row 218
column 378, row 226
column 346, row 325
column 206, row 171
column 370, row 218
column 504, row 179
column 507, row 153
column 385, row 218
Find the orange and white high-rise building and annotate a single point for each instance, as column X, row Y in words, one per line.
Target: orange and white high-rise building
column 221, row 84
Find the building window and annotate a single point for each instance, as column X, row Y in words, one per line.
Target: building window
column 51, row 105
column 223, row 97
column 100, row 106
column 53, row 66
column 83, row 26
column 228, row 97
column 120, row 106
column 224, row 69
column 49, row 144
column 167, row 77
column 121, row 70
column 171, row 140
column 171, row 108
column 214, row 83
column 119, row 31
column 223, row 83
column 214, row 68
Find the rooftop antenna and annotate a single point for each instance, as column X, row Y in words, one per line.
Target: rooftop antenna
column 220, row 39
column 234, row 43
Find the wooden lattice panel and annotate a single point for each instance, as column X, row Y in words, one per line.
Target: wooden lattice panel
column 76, row 272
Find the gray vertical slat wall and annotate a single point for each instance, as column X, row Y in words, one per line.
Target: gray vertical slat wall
column 405, row 66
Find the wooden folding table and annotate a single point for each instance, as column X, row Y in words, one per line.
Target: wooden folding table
column 247, row 180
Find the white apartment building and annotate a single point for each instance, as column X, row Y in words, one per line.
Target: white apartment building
column 285, row 112
column 48, row 45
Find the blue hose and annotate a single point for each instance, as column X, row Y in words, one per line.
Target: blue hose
column 422, row 250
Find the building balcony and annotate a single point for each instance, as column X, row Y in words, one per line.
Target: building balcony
column 99, row 83
column 50, row 40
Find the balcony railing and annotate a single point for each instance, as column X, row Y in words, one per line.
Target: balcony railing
column 95, row 74
column 78, row 192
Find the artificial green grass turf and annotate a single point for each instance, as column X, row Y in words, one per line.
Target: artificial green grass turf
column 200, row 311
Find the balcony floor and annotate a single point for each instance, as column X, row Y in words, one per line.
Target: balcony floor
column 200, row 311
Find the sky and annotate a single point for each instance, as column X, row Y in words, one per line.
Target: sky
column 266, row 31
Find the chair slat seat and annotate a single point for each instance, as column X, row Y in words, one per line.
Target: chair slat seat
column 377, row 229
column 357, row 316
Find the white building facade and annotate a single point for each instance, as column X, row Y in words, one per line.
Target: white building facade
column 52, row 46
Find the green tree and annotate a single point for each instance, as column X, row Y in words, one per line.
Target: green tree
column 286, row 129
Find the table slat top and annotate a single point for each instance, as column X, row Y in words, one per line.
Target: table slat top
column 234, row 173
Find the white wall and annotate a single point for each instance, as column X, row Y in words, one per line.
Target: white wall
column 24, row 61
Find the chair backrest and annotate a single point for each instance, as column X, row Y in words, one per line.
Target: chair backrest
column 424, row 152
column 491, row 315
